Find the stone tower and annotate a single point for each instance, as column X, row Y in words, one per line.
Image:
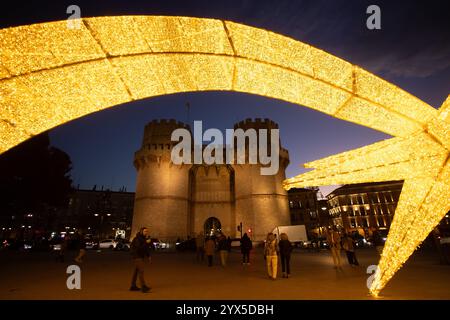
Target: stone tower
column 161, row 200
column 181, row 200
column 261, row 201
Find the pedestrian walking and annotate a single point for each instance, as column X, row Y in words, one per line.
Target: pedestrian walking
column 285, row 254
column 377, row 241
column 210, row 247
column 229, row 241
column 222, row 246
column 140, row 250
column 348, row 244
column 334, row 239
column 200, row 247
column 246, row 247
column 271, row 255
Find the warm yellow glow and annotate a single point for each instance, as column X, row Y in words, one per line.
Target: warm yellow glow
column 50, row 75
column 421, row 160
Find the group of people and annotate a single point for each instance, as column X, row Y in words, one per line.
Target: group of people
column 79, row 243
column 274, row 250
column 337, row 243
column 208, row 246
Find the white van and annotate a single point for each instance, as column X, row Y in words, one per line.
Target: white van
column 296, row 233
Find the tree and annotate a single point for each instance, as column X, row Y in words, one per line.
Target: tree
column 34, row 178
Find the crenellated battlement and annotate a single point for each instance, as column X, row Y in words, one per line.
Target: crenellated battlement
column 256, row 124
column 157, row 142
column 167, row 122
column 158, row 132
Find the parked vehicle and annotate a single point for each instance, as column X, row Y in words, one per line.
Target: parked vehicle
column 122, row 245
column 107, row 244
column 28, row 245
column 188, row 245
column 158, row 244
column 91, row 245
column 56, row 244
column 296, row 234
column 236, row 243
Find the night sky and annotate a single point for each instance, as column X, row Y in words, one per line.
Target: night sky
column 412, row 50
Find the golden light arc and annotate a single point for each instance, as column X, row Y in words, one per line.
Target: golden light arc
column 51, row 74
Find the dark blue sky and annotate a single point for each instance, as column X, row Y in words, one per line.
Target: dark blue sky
column 411, row 50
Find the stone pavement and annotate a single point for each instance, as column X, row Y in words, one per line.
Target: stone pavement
column 176, row 276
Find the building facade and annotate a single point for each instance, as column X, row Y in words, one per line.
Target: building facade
column 364, row 207
column 177, row 201
column 99, row 212
column 325, row 221
column 303, row 209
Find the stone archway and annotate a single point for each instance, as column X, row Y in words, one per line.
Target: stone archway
column 212, row 226
column 50, row 74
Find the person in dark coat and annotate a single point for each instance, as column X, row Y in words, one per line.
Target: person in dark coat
column 348, row 244
column 285, row 254
column 378, row 242
column 140, row 250
column 246, row 246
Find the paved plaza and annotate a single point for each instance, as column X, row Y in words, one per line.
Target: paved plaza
column 177, row 276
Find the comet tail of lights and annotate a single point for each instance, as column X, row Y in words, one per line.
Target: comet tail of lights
column 51, row 74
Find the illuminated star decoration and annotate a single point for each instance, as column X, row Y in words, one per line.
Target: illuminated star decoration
column 51, row 74
column 421, row 160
